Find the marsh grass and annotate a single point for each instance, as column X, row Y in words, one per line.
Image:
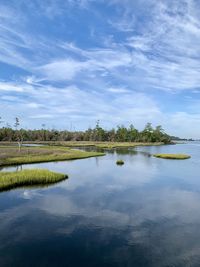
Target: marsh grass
column 172, row 156
column 110, row 145
column 120, row 162
column 9, row 155
column 105, row 145
column 25, row 178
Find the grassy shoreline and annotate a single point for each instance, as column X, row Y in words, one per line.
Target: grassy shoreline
column 97, row 144
column 47, row 158
column 9, row 155
column 12, row 180
column 56, row 151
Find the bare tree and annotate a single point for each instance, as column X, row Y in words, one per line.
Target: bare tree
column 19, row 133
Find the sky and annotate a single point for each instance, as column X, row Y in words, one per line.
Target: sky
column 69, row 63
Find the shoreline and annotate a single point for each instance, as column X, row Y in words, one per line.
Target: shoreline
column 10, row 156
column 57, row 151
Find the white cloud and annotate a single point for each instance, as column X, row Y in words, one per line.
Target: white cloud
column 33, row 105
column 118, row 90
column 95, row 61
column 10, row 87
column 62, row 70
column 41, row 116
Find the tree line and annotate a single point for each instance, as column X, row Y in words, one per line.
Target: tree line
column 118, row 134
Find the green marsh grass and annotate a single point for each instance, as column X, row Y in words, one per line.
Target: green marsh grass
column 172, row 156
column 98, row 144
column 11, row 180
column 9, row 156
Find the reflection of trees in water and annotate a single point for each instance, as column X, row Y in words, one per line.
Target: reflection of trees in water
column 125, row 151
column 90, row 149
column 19, row 168
column 97, row 161
column 16, row 168
column 113, row 151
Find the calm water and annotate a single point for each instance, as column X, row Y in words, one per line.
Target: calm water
column 144, row 213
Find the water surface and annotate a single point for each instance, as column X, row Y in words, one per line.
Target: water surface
column 144, row 213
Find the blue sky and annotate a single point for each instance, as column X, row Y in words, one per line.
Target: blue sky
column 67, row 64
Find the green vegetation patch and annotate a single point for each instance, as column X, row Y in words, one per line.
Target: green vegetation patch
column 120, row 162
column 110, row 145
column 103, row 145
column 9, row 155
column 172, row 156
column 10, row 180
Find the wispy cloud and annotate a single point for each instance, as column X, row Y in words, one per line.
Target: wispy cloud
column 74, row 105
column 139, row 53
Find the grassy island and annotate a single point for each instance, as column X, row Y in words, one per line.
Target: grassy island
column 9, row 155
column 11, row 180
column 172, row 156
